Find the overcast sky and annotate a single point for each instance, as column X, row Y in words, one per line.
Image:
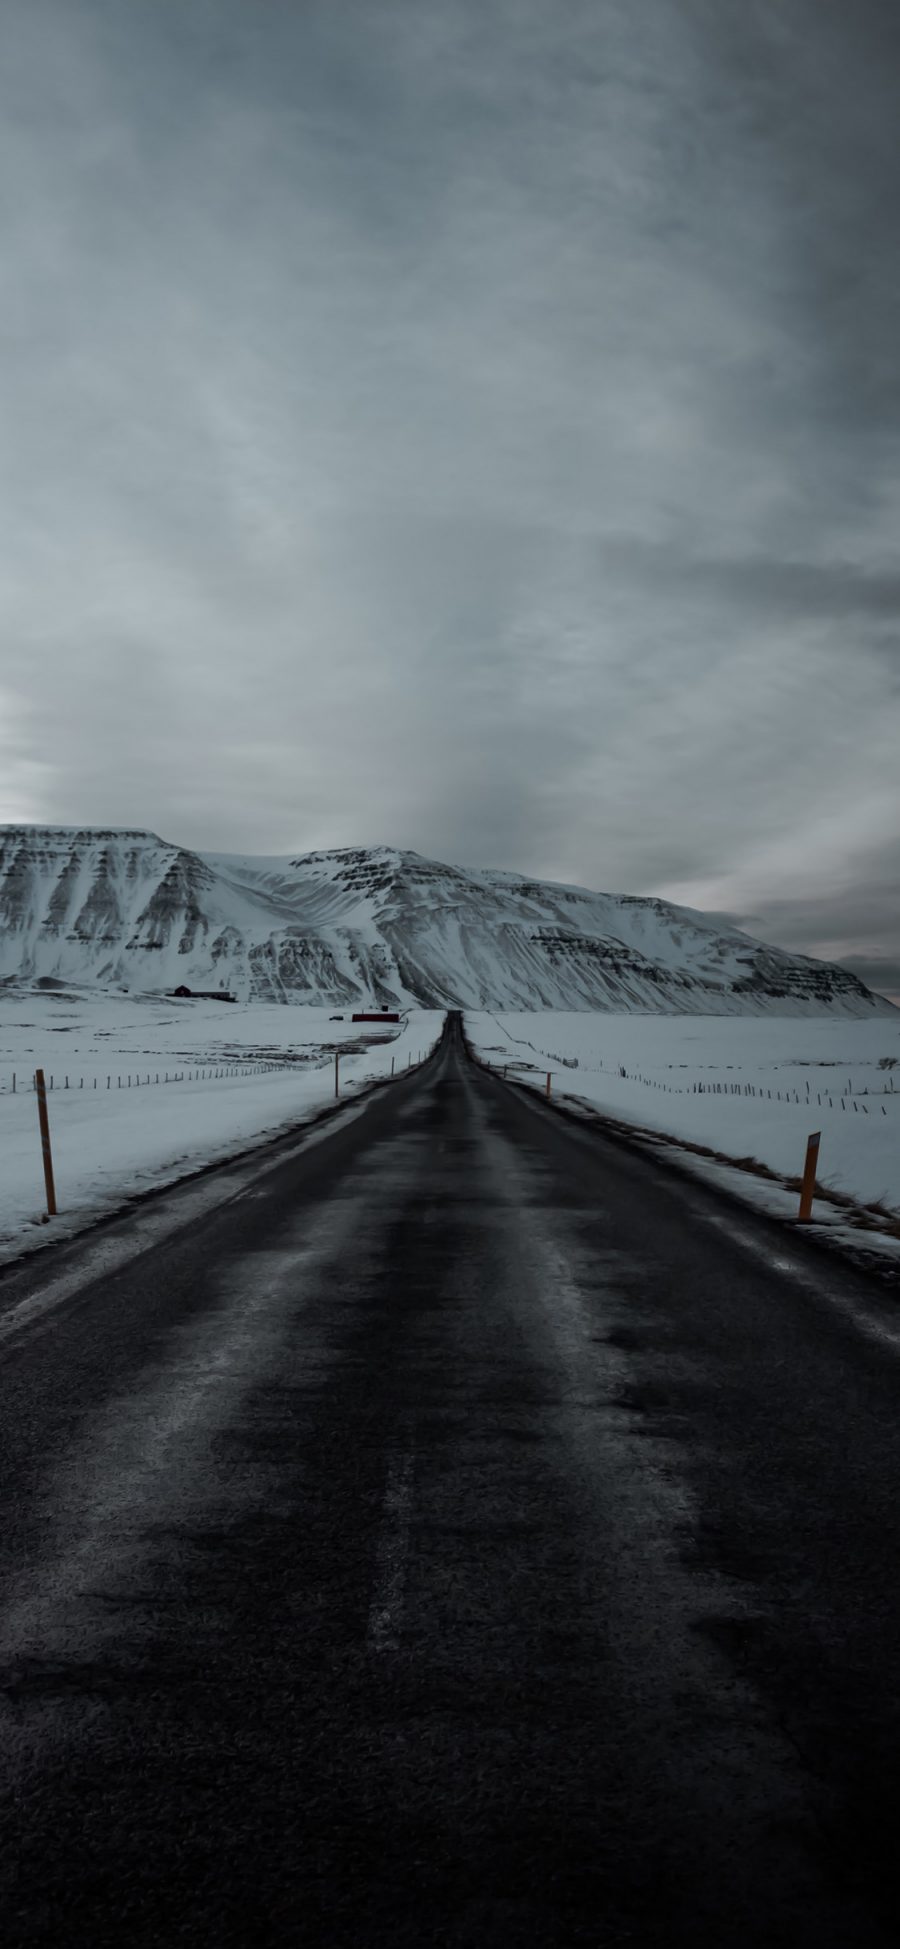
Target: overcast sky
column 467, row 424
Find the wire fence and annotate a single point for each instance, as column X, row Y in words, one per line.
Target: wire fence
column 17, row 1082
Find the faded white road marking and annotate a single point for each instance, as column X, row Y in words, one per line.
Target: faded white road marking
column 386, row 1608
column 876, row 1324
column 147, row 1459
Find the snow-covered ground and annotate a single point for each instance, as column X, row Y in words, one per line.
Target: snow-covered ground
column 747, row 1088
column 237, row 1074
column 751, row 1088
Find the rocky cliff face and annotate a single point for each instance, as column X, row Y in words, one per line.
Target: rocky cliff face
column 371, row 924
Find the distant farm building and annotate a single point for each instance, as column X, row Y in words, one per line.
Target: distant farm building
column 383, row 1015
column 202, row 994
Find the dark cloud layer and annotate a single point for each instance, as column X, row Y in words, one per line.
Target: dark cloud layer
column 468, row 423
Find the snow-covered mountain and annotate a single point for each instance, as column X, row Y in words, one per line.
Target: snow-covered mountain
column 371, row 924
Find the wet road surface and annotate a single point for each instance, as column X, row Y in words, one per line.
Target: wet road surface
column 469, row 1534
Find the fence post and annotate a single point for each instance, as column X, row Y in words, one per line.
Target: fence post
column 809, row 1178
column 44, row 1121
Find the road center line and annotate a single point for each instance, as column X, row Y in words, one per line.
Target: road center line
column 392, row 1551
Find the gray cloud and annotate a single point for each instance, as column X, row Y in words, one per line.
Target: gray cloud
column 473, row 425
column 879, row 973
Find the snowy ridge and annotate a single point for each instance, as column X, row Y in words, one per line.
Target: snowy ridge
column 123, row 908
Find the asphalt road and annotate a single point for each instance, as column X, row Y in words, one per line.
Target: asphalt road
column 467, row 1534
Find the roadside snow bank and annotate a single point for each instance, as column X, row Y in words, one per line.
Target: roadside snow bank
column 245, row 1074
column 749, row 1089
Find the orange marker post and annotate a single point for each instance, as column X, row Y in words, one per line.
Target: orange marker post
column 809, row 1178
column 44, row 1121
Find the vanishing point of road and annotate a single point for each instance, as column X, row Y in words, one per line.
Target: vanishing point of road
column 463, row 1531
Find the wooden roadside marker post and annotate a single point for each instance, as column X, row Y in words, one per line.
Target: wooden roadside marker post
column 337, row 1078
column 809, row 1178
column 548, row 1082
column 40, row 1088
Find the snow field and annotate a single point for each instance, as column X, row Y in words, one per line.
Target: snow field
column 245, row 1073
column 750, row 1088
